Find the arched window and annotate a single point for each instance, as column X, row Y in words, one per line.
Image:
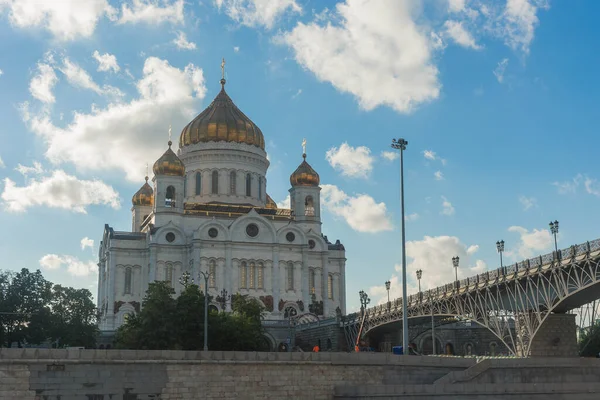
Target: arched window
column 260, row 185
column 330, row 287
column 311, row 279
column 212, row 270
column 309, row 208
column 198, row 183
column 169, row 275
column 170, row 197
column 493, row 346
column 128, row 273
column 259, row 274
column 243, row 275
column 184, row 187
column 232, row 182
column 290, row 276
column 215, row 182
column 252, row 275
column 248, row 185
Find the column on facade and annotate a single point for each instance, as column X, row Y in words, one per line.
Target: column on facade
column 319, row 284
column 195, row 265
column 343, row 287
column 336, row 289
column 204, row 268
column 227, row 274
column 220, row 278
column 112, row 265
column 325, row 275
column 304, row 272
column 276, row 280
column 153, row 264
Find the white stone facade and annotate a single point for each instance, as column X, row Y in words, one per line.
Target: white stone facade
column 225, row 227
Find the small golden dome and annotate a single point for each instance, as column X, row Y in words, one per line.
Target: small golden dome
column 222, row 121
column 270, row 203
column 144, row 196
column 304, row 175
column 169, row 164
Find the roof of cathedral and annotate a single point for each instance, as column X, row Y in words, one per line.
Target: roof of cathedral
column 304, row 175
column 222, row 121
column 144, row 196
column 270, row 203
column 169, row 164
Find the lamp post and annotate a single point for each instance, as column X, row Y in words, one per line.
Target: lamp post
column 223, row 298
column 387, row 287
column 364, row 301
column 419, row 276
column 206, row 276
column 554, row 231
column 401, row 144
column 500, row 248
column 455, row 261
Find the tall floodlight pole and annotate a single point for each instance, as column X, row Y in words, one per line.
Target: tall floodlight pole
column 206, row 276
column 500, row 248
column 419, row 275
column 455, row 261
column 387, row 287
column 554, row 231
column 400, row 144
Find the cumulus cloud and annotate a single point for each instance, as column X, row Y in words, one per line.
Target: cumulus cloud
column 65, row 19
column 371, row 49
column 438, row 175
column 411, row 217
column 456, row 31
column 73, row 265
column 2, row 165
column 43, row 82
column 258, row 12
column 528, row 202
column 531, row 243
column 59, row 190
column 285, row 203
column 152, row 12
column 79, row 77
column 592, row 186
column 390, row 155
column 182, row 43
column 519, row 21
column 361, row 212
column 125, row 136
column 106, row 62
column 87, row 242
column 36, row 169
column 433, row 255
column 355, row 162
column 447, row 207
column 500, row 70
column 429, row 154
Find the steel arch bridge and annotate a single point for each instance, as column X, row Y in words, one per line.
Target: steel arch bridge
column 512, row 302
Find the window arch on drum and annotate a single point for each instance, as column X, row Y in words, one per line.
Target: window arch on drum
column 232, row 182
column 212, row 271
column 243, row 281
column 170, row 197
column 128, row 278
column 309, row 207
column 198, row 183
column 290, row 276
column 252, row 275
column 248, row 185
column 215, row 182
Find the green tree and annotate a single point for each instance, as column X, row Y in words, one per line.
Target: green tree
column 73, row 318
column 589, row 341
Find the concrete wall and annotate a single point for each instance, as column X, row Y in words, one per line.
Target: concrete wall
column 557, row 337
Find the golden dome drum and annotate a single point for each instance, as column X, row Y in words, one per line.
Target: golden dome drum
column 270, row 203
column 304, row 175
column 144, row 196
column 222, row 121
column 169, row 164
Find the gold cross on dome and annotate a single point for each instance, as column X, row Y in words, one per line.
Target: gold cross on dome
column 304, row 146
column 169, row 132
column 223, row 68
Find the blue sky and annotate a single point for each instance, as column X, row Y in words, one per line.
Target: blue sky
column 498, row 101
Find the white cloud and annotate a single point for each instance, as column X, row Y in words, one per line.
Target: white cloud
column 355, row 162
column 373, row 50
column 65, row 19
column 2, row 165
column 457, row 32
column 43, row 82
column 87, row 242
column 566, row 187
column 429, row 154
column 36, row 169
column 592, row 186
column 125, row 136
column 500, row 70
column 519, row 21
column 74, row 266
column 236, row 49
column 151, row 12
column 361, row 212
column 285, row 203
column 447, row 207
column 1, row 72
column 390, row 155
column 432, row 255
column 182, row 43
column 411, row 217
column 79, row 77
column 438, row 175
column 528, row 202
column 298, row 93
column 106, row 62
column 59, row 190
column 258, row 12
column 456, row 5
column 531, row 243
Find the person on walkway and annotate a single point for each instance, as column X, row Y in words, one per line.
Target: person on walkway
column 316, row 348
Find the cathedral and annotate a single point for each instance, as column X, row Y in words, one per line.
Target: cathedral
column 207, row 210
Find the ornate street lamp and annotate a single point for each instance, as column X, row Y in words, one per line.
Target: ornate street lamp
column 554, row 231
column 186, row 279
column 419, row 276
column 223, row 298
column 206, row 276
column 364, row 301
column 500, row 248
column 387, row 287
column 400, row 144
column 455, row 261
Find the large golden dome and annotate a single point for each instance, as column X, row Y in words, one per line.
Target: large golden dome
column 304, row 175
column 144, row 196
column 222, row 121
column 169, row 164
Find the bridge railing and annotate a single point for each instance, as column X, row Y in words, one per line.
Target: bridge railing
column 493, row 275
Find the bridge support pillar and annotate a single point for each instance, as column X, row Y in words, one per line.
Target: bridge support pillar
column 557, row 337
